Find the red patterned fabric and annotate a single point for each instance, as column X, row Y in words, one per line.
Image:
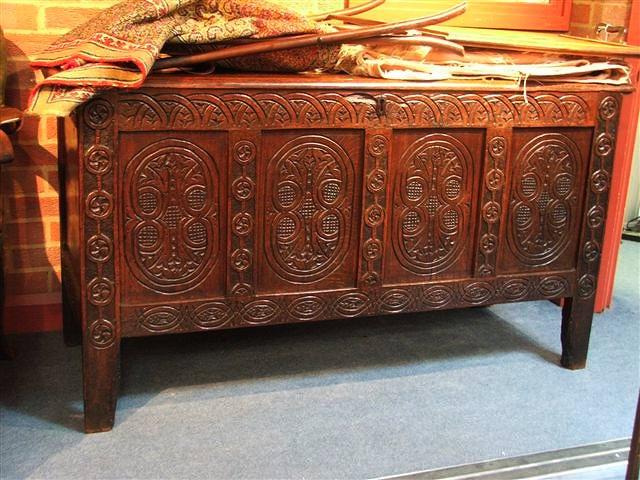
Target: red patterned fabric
column 118, row 47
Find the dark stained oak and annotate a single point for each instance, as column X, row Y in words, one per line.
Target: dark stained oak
column 203, row 203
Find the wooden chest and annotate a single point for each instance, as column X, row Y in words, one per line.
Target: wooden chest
column 200, row 203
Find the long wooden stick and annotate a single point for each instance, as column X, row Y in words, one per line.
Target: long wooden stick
column 351, row 23
column 419, row 40
column 309, row 40
column 365, row 7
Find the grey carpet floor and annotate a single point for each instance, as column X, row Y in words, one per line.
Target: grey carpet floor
column 349, row 399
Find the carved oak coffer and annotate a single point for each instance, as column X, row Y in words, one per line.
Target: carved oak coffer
column 202, row 203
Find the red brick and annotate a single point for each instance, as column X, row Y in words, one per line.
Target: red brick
column 28, row 133
column 22, row 258
column 48, row 130
column 25, row 283
column 55, row 279
column 38, row 132
column 52, row 179
column 27, row 233
column 581, row 14
column 64, row 17
column 17, row 98
column 27, row 180
column 19, row 16
column 36, row 156
column 613, row 14
column 19, row 73
column 40, row 317
column 53, row 234
column 27, row 208
column 21, row 45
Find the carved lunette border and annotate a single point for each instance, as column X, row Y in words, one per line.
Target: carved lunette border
column 206, row 111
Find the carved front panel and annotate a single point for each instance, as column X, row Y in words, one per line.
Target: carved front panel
column 310, row 206
column 431, row 216
column 172, row 215
column 545, row 199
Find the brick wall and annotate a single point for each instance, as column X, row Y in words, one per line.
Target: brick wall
column 32, row 230
column 586, row 14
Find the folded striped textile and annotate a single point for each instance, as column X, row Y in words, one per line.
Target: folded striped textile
column 118, row 47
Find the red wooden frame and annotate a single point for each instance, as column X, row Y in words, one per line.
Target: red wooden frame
column 629, row 114
column 512, row 15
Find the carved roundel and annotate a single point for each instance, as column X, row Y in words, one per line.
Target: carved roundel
column 491, row 212
column 595, row 217
column 172, row 215
column 102, row 333
column 241, row 259
column 600, row 181
column 98, row 113
column 586, row 286
column 99, row 204
column 99, row 159
column 432, row 204
column 604, row 144
column 244, row 152
column 100, row 291
column 242, row 224
column 608, row 108
column 488, row 243
column 308, row 224
column 378, row 145
column 372, row 249
column 376, row 180
column 591, row 251
column 374, row 215
column 243, row 189
column 99, row 248
column 497, row 146
column 494, row 179
column 544, row 196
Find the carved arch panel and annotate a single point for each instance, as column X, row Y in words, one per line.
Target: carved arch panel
column 545, row 198
column 434, row 185
column 311, row 207
column 173, row 221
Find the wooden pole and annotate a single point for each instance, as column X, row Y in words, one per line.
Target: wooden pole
column 309, row 40
column 365, row 7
